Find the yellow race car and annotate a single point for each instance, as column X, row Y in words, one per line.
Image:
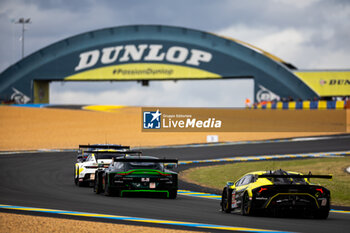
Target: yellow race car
column 278, row 192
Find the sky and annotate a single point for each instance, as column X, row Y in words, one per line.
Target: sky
column 310, row 34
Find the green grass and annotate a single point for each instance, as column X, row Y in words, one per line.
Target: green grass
column 217, row 176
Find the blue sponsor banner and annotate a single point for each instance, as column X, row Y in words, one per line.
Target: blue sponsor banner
column 274, row 105
column 332, row 104
column 313, row 104
column 285, row 105
column 299, row 105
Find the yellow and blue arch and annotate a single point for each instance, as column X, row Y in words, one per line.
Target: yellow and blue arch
column 150, row 52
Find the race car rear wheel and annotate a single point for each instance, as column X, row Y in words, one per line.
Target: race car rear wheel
column 117, row 192
column 98, row 183
column 81, row 183
column 245, row 207
column 106, row 188
column 75, row 176
column 172, row 193
column 226, row 200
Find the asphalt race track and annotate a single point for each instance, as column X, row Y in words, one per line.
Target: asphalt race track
column 45, row 180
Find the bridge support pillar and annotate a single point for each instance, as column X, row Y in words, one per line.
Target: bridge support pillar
column 41, row 92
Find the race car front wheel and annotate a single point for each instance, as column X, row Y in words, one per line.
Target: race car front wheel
column 226, row 200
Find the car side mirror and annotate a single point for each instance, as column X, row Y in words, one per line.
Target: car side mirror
column 230, row 183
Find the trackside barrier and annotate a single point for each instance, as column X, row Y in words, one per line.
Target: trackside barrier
column 321, row 104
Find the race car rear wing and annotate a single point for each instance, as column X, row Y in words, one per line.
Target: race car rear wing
column 120, row 153
column 168, row 163
column 294, row 176
column 104, row 147
column 126, row 160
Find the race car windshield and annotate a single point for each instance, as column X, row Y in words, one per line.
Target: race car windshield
column 145, row 165
column 287, row 180
column 299, row 180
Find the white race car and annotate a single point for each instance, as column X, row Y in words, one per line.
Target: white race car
column 84, row 171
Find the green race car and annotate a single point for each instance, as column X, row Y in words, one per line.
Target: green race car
column 278, row 192
column 136, row 174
